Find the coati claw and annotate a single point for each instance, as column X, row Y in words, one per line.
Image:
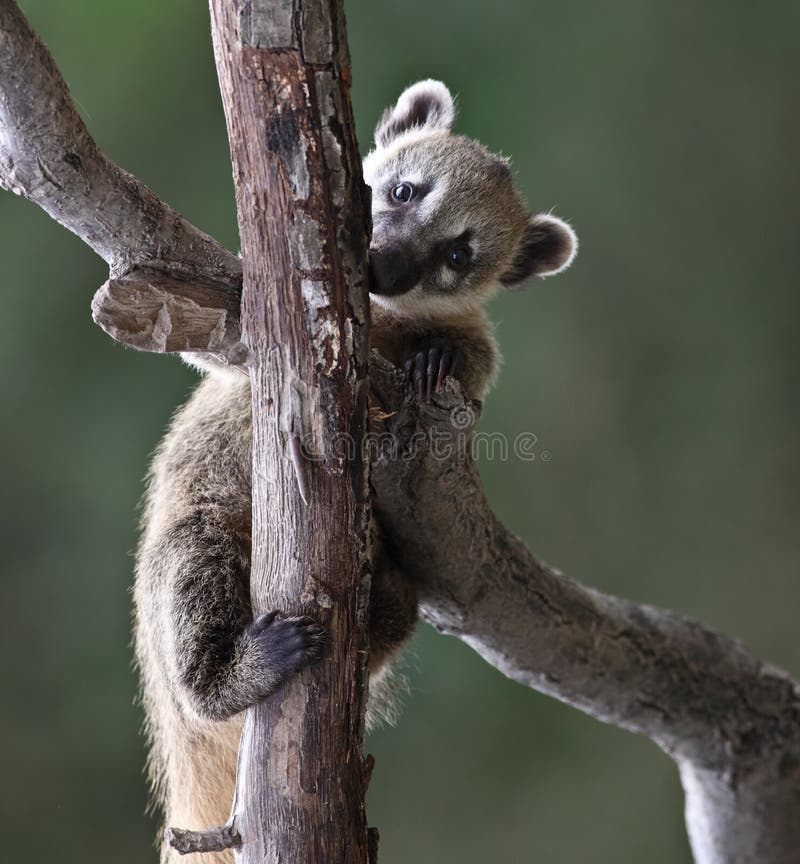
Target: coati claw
column 288, row 643
column 429, row 366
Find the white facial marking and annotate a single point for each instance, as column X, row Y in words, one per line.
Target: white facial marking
column 378, row 158
column 418, row 304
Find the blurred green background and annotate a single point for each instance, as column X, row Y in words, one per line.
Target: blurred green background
column 660, row 374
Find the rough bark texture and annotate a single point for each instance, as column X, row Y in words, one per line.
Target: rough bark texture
column 153, row 311
column 213, row 840
column 731, row 722
column 48, row 157
column 284, row 78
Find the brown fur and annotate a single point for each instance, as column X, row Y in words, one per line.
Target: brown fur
column 201, row 657
column 397, row 337
column 192, row 760
column 203, row 467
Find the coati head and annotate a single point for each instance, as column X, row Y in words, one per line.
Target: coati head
column 448, row 225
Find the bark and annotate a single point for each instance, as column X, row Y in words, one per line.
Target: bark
column 151, row 310
column 48, row 157
column 284, row 78
column 730, row 721
column 213, row 840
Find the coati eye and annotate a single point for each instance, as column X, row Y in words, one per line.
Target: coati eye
column 459, row 257
column 403, row 192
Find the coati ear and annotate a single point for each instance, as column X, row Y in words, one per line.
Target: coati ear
column 425, row 106
column 548, row 246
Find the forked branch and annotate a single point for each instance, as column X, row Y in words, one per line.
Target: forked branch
column 48, row 156
column 730, row 721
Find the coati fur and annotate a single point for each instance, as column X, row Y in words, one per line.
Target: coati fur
column 449, row 228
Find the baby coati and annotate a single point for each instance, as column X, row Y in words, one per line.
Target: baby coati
column 449, row 228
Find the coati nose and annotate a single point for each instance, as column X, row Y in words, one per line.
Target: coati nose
column 392, row 271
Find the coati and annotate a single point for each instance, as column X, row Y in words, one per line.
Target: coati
column 449, row 228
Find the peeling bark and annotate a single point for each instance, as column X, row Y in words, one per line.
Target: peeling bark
column 302, row 214
column 152, row 311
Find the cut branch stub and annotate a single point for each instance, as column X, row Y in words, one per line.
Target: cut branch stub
column 151, row 310
column 212, row 840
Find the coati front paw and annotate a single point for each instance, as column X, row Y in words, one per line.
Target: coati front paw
column 430, row 364
column 287, row 644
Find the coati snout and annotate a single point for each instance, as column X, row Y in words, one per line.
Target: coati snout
column 392, row 270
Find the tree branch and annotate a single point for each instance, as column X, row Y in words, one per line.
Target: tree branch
column 48, row 157
column 730, row 721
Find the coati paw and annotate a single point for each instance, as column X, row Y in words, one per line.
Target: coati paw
column 288, row 644
column 430, row 365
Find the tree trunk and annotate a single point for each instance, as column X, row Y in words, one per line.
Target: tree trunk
column 284, row 77
column 730, row 721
